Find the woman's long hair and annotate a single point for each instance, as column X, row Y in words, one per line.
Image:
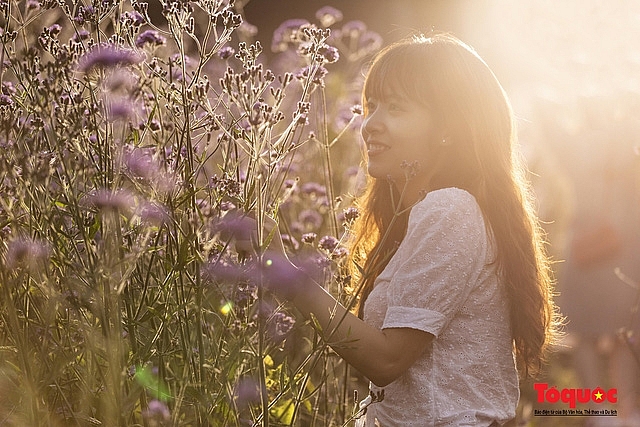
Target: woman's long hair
column 474, row 115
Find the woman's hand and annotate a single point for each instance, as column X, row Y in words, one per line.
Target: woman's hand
column 252, row 236
column 259, row 242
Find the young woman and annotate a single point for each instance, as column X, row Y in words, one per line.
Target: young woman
column 455, row 288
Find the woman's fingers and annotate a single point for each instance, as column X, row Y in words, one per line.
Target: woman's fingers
column 242, row 228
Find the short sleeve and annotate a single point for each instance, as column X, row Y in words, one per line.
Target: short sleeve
column 438, row 263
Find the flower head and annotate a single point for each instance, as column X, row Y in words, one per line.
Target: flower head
column 157, row 412
column 55, row 29
column 329, row 54
column 350, row 215
column 133, row 18
column 313, row 188
column 309, row 238
column 120, row 108
column 310, row 218
column 26, row 252
column 354, row 29
column 80, row 35
column 328, row 243
column 153, row 213
column 370, row 41
column 284, row 35
column 248, row 30
column 106, row 200
column 328, row 16
column 316, row 73
column 33, row 5
column 108, row 56
column 222, row 271
column 150, row 37
column 279, row 275
column 246, row 392
column 226, row 52
column 279, row 326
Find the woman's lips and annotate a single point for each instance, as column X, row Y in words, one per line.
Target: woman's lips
column 374, row 148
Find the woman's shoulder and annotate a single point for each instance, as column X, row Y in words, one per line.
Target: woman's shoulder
column 450, row 200
column 450, row 209
column 452, row 214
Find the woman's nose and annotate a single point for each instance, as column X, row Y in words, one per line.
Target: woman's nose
column 371, row 125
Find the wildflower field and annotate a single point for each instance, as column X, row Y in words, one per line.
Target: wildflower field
column 138, row 157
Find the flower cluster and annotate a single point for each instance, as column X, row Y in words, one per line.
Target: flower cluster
column 166, row 189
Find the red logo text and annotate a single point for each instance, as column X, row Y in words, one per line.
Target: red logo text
column 574, row 395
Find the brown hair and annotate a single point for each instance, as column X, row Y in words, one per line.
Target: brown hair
column 446, row 75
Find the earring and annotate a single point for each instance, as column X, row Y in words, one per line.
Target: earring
column 444, row 141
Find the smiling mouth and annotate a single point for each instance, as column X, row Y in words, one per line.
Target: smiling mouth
column 374, row 148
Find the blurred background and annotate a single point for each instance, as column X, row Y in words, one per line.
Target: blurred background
column 572, row 71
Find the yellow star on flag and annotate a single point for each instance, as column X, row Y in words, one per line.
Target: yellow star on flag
column 598, row 395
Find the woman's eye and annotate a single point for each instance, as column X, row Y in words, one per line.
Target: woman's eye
column 394, row 107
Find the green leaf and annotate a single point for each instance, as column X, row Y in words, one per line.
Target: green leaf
column 283, row 411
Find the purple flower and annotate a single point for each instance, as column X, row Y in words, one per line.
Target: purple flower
column 328, row 16
column 6, row 100
column 107, row 56
column 309, row 238
column 351, row 214
column 226, row 52
column 33, row 5
column 280, row 324
column 119, row 109
column 8, row 88
column 246, row 392
column 313, row 188
column 290, row 184
column 282, row 277
column 245, row 295
column 354, row 29
column 370, row 42
column 120, row 79
column 290, row 242
column 157, row 411
column 141, row 163
column 82, row 34
column 329, row 54
column 339, row 252
column 284, row 35
column 227, row 205
column 26, row 252
column 328, row 243
column 236, row 225
column 133, row 17
column 85, row 13
column 154, row 125
column 119, row 200
column 151, row 37
column 310, row 218
column 344, row 117
column 153, row 213
column 248, row 30
column 316, row 73
column 221, row 271
column 55, row 29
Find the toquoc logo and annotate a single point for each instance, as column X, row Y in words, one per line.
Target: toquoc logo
column 574, row 395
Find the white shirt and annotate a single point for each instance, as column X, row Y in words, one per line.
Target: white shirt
column 442, row 280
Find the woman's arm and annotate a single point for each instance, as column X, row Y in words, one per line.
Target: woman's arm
column 381, row 355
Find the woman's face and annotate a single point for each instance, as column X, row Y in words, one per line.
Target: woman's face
column 398, row 131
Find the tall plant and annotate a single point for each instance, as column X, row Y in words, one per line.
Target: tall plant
column 131, row 153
